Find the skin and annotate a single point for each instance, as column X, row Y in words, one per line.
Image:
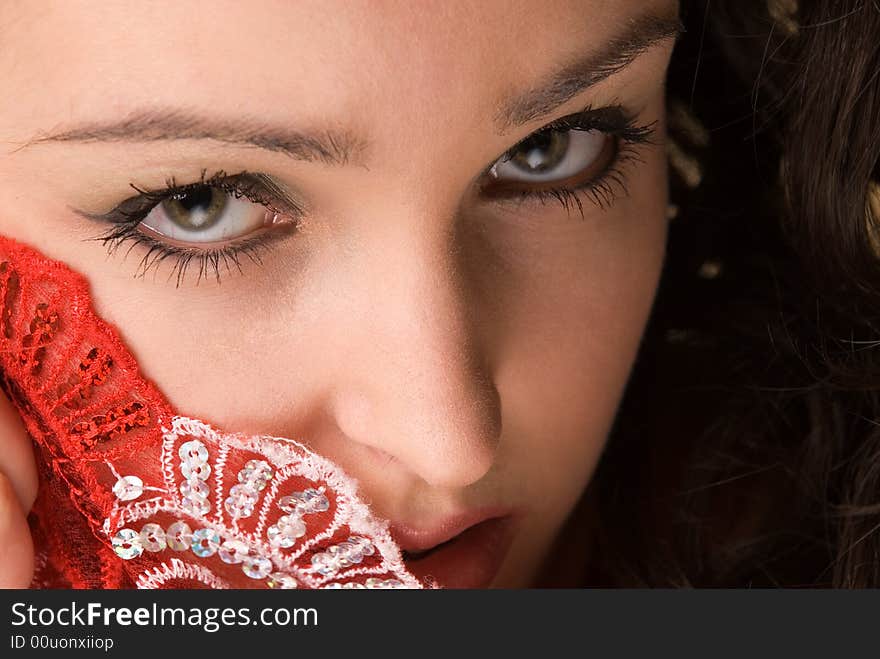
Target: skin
column 449, row 352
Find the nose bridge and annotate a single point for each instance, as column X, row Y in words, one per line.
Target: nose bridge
column 424, row 391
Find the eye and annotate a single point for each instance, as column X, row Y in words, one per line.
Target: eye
column 210, row 223
column 206, row 214
column 558, row 158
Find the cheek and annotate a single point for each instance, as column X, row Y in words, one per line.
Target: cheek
column 573, row 355
column 578, row 327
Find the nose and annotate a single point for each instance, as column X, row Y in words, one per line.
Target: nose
column 417, row 382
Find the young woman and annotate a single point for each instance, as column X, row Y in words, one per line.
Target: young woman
column 428, row 243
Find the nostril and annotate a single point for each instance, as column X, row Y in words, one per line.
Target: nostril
column 433, row 415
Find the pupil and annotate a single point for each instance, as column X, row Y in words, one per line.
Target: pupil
column 542, row 152
column 200, row 196
column 540, row 141
column 196, row 209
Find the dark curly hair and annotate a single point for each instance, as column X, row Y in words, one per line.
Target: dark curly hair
column 746, row 451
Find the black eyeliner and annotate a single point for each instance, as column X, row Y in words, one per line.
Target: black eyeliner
column 613, row 120
column 257, row 188
column 126, row 216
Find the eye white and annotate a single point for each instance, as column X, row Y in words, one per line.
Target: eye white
column 239, row 217
column 583, row 148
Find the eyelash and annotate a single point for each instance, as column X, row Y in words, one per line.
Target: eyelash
column 257, row 188
column 604, row 188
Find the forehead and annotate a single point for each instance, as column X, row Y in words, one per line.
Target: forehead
column 285, row 61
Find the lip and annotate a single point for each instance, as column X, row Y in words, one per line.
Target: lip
column 465, row 551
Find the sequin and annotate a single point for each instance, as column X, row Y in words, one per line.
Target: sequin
column 289, row 504
column 363, row 544
column 339, row 555
column 257, row 473
column 193, row 452
column 281, row 581
column 306, row 502
column 205, row 542
column 233, row 551
column 352, row 551
column 194, row 488
column 256, row 567
column 127, row 544
column 286, row 530
column 153, row 537
column 197, row 470
column 323, row 563
column 195, row 491
column 128, row 488
column 241, row 501
column 179, row 536
column 196, row 505
column 343, row 555
column 245, row 492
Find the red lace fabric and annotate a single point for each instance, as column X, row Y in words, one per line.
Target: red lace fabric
column 133, row 494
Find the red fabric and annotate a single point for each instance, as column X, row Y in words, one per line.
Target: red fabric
column 90, row 412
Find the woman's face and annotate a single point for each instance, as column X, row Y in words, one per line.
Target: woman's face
column 456, row 336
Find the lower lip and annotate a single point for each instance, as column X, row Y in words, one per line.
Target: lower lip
column 470, row 560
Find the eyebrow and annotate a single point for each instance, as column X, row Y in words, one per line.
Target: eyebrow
column 339, row 147
column 332, row 147
column 583, row 72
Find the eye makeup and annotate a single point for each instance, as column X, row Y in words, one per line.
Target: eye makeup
column 126, row 219
column 623, row 136
column 601, row 182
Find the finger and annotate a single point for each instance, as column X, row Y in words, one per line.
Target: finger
column 17, row 454
column 16, row 546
